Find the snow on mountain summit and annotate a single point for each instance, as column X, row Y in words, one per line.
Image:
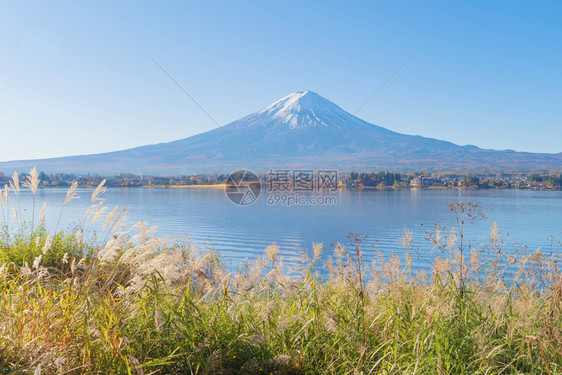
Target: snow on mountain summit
column 304, row 109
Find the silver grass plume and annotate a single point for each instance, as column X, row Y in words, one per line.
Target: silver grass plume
column 32, row 184
column 70, row 195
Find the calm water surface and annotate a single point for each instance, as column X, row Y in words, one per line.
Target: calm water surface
column 208, row 218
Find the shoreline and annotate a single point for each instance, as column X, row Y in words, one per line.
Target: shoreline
column 379, row 188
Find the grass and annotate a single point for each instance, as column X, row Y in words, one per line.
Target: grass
column 130, row 302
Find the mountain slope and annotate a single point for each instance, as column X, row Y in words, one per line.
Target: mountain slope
column 302, row 129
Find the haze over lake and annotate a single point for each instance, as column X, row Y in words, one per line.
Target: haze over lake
column 208, row 218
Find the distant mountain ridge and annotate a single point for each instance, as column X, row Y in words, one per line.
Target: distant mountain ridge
column 301, row 130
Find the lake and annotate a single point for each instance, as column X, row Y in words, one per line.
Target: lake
column 209, row 218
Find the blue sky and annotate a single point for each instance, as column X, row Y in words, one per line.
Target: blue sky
column 77, row 78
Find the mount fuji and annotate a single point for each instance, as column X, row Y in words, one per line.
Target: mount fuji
column 301, row 130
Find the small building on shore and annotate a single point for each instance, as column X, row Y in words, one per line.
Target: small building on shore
column 423, row 181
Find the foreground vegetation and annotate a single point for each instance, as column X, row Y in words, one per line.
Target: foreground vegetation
column 127, row 301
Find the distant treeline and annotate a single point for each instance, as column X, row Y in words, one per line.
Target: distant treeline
column 381, row 179
column 121, row 180
column 497, row 181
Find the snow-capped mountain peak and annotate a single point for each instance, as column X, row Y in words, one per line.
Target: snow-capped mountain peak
column 304, row 109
